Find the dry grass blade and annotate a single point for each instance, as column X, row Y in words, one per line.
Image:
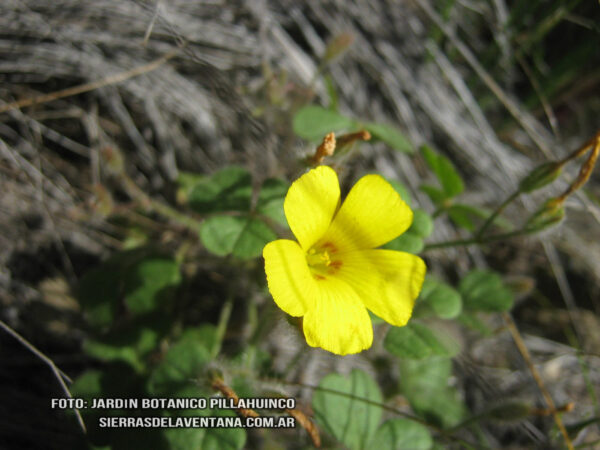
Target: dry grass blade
column 307, row 424
column 219, row 385
column 514, row 331
column 59, row 374
column 87, row 87
column 535, row 131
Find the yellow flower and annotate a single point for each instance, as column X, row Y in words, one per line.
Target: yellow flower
column 333, row 274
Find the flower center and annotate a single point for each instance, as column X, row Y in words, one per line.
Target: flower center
column 322, row 260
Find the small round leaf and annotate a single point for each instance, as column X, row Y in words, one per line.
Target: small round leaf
column 402, row 434
column 414, row 341
column 483, row 290
column 244, row 237
column 391, row 136
column 344, row 414
column 314, row 122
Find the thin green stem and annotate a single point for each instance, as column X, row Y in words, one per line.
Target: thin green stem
column 495, row 214
column 222, row 326
column 161, row 208
column 478, row 237
column 476, row 240
column 469, row 421
column 446, row 433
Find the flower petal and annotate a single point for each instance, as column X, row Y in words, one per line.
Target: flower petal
column 339, row 322
column 372, row 214
column 290, row 282
column 311, row 203
column 388, row 282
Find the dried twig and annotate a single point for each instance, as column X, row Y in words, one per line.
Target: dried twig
column 307, row 424
column 86, row 87
column 325, row 148
column 218, row 384
column 514, row 331
column 528, row 122
column 59, row 374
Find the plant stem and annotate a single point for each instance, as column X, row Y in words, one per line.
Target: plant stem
column 445, row 433
column 222, row 326
column 87, row 87
column 477, row 240
column 59, row 374
column 161, row 208
column 514, row 331
column 496, row 213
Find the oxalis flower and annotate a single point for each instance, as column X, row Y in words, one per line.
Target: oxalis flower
column 334, row 273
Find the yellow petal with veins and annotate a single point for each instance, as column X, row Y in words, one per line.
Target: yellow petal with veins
column 310, row 204
column 338, row 322
column 290, row 281
column 387, row 281
column 372, row 214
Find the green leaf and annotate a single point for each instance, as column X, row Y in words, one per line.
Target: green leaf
column 223, row 438
column 484, row 290
column 407, row 242
column 202, row 438
column 87, row 385
column 140, row 276
column 436, row 195
column 98, row 293
column 470, row 320
column 116, row 380
column 270, row 200
column 187, row 180
column 411, row 240
column 243, row 237
column 345, row 415
column 205, row 438
column 183, row 364
column 461, row 217
column 442, row 407
column 469, row 217
column 444, row 170
column 331, row 92
column 391, row 136
column 402, row 434
column 422, row 224
column 425, row 385
column 442, row 298
column 414, row 341
column 314, row 122
column 148, row 282
column 130, row 346
column 402, row 190
column 229, row 189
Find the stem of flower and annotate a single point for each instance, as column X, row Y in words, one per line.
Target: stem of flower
column 135, row 192
column 222, row 326
column 496, row 213
column 477, row 240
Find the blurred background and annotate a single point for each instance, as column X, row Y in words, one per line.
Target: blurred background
column 498, row 87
